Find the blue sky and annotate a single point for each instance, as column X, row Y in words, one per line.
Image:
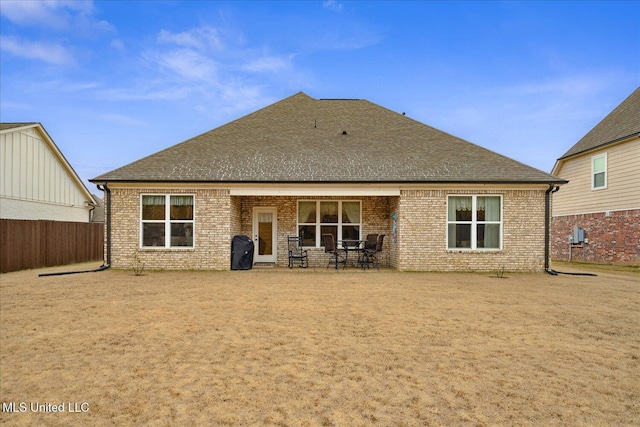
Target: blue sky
column 114, row 81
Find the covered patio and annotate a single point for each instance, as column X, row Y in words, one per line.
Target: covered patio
column 269, row 219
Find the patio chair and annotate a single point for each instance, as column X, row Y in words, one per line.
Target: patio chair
column 338, row 256
column 369, row 243
column 370, row 255
column 297, row 255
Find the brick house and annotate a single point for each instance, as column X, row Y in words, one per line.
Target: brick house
column 307, row 167
column 603, row 194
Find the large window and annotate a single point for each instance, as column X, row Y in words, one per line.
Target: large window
column 474, row 222
column 318, row 217
column 167, row 221
column 599, row 172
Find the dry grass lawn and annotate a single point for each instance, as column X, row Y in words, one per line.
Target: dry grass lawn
column 313, row 348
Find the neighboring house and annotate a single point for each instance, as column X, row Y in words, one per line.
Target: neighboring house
column 603, row 194
column 308, row 167
column 37, row 180
column 97, row 213
column 45, row 209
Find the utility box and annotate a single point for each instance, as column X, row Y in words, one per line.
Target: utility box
column 577, row 240
column 578, row 236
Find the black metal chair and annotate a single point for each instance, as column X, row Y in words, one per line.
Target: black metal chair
column 297, row 255
column 369, row 243
column 370, row 255
column 338, row 256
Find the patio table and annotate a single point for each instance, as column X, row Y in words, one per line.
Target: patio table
column 351, row 245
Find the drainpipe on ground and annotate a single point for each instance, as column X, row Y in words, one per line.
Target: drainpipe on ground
column 106, row 264
column 547, row 230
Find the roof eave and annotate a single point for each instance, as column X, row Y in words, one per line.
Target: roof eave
column 557, row 181
column 622, row 139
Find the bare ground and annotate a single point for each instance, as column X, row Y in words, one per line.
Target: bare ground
column 305, row 347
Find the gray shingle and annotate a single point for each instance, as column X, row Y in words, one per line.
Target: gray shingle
column 301, row 139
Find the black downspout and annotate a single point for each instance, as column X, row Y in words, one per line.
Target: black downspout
column 547, row 226
column 107, row 264
column 107, row 193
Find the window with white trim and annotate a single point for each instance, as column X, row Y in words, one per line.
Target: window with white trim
column 342, row 218
column 166, row 221
column 474, row 222
column 599, row 172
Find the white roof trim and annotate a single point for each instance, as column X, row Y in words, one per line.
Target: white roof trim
column 311, row 191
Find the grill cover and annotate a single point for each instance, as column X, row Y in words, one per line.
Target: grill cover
column 241, row 253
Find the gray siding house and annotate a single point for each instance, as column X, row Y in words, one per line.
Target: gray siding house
column 308, row 167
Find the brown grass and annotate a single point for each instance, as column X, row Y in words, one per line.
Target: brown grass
column 299, row 347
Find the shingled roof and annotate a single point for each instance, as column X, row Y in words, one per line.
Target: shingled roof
column 301, row 139
column 622, row 123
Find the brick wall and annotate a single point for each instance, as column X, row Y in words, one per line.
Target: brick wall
column 614, row 238
column 236, row 216
column 375, row 219
column 421, row 230
column 422, row 233
column 212, row 234
column 392, row 238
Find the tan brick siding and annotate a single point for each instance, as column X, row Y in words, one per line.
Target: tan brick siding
column 394, row 247
column 421, row 230
column 236, row 216
column 375, row 219
column 212, row 232
column 422, row 233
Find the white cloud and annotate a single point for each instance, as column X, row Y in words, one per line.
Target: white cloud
column 214, row 71
column 118, row 45
column 204, row 55
column 147, row 91
column 203, row 38
column 72, row 17
column 192, row 59
column 268, row 64
column 36, row 13
column 579, row 85
column 332, row 5
column 51, row 53
column 54, row 14
column 185, row 63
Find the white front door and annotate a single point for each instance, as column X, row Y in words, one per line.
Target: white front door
column 265, row 235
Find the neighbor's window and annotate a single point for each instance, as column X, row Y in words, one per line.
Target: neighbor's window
column 599, row 172
column 474, row 222
column 167, row 221
column 337, row 217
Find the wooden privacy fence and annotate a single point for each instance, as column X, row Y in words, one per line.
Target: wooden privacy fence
column 32, row 244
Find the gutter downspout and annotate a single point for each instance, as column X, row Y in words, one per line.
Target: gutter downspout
column 107, row 192
column 107, row 264
column 547, row 225
column 93, row 206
